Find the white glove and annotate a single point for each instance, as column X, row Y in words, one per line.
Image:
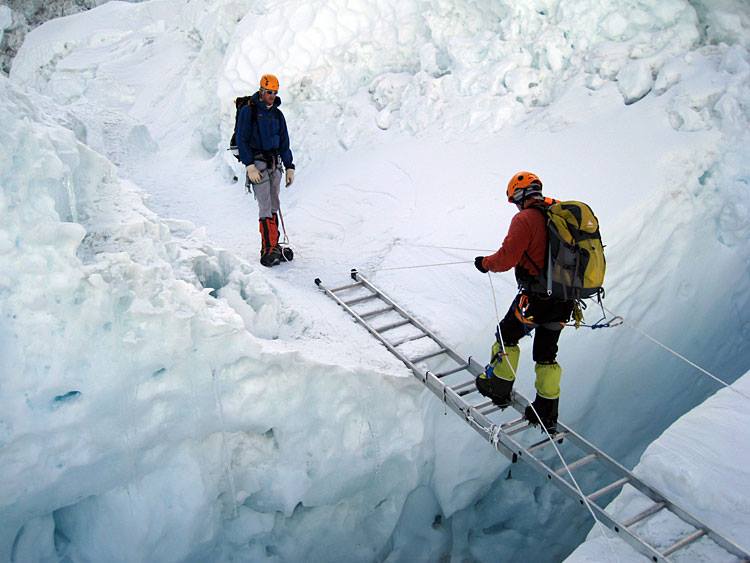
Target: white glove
column 253, row 174
column 289, row 176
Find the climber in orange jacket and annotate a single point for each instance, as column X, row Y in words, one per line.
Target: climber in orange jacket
column 524, row 249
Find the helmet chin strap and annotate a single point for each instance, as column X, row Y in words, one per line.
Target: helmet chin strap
column 534, row 194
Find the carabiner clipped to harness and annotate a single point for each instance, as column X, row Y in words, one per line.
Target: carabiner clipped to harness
column 614, row 321
column 577, row 315
column 601, row 323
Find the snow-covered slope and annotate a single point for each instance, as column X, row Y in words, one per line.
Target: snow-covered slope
column 203, row 408
column 18, row 17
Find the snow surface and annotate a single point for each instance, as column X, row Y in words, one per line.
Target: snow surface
column 166, row 393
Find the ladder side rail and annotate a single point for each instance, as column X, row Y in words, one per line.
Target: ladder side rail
column 656, row 496
column 454, row 356
column 604, row 517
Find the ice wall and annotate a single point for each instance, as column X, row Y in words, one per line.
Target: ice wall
column 140, row 411
column 467, row 65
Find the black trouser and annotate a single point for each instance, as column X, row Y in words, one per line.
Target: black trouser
column 546, row 316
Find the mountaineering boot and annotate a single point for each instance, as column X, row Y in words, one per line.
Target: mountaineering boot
column 547, row 410
column 495, row 388
column 496, row 382
column 268, row 258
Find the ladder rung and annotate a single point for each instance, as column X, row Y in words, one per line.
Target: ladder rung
column 482, row 405
column 578, row 463
column 360, row 299
column 679, row 544
column 513, row 422
column 408, row 339
column 546, row 442
column 344, row 287
column 653, row 509
column 428, row 356
column 462, row 386
column 452, row 371
column 376, row 312
column 391, row 326
column 519, row 428
column 492, row 408
column 604, row 490
column 468, row 391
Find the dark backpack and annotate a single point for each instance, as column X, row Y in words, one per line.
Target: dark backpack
column 574, row 266
column 240, row 103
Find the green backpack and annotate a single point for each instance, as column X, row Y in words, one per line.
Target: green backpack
column 575, row 265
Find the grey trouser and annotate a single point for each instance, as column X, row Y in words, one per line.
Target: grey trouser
column 267, row 191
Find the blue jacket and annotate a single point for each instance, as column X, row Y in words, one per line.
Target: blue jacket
column 267, row 134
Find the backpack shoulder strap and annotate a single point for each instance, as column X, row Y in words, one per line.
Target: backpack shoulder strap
column 243, row 101
column 543, row 211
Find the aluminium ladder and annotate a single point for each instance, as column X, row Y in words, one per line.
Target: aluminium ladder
column 463, row 398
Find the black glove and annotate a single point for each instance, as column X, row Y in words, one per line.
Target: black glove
column 478, row 264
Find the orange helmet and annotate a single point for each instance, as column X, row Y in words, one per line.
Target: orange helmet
column 269, row 82
column 521, row 185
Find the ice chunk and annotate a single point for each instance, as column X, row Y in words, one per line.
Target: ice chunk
column 635, row 81
column 6, row 19
column 668, row 76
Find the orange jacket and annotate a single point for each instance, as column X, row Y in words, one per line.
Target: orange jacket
column 527, row 235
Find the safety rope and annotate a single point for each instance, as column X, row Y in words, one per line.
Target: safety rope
column 421, row 266
column 635, row 327
column 285, row 240
column 447, row 247
column 283, row 227
column 584, row 499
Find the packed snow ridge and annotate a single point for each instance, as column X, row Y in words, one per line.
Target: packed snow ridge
column 165, row 398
